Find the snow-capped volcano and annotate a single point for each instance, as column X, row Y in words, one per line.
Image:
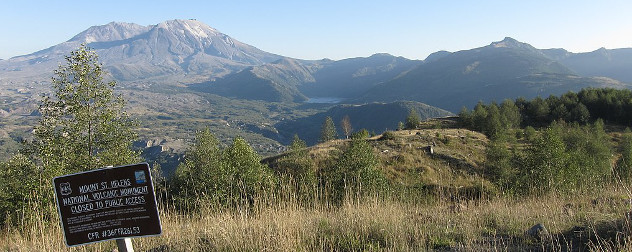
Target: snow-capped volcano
column 188, row 50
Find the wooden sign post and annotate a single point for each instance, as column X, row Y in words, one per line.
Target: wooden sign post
column 124, row 245
column 107, row 204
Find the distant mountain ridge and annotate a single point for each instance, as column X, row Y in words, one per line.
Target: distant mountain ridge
column 187, row 52
column 291, row 80
column 614, row 63
column 350, row 77
column 504, row 69
column 182, row 50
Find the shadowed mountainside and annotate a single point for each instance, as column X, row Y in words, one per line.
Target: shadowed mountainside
column 374, row 117
column 505, row 69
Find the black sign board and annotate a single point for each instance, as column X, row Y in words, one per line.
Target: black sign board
column 106, row 204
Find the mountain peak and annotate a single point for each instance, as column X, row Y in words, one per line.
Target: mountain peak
column 383, row 55
column 510, row 43
column 510, row 39
column 131, row 52
column 109, row 32
column 436, row 55
column 191, row 26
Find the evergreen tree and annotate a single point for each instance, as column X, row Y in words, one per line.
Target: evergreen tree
column 465, row 118
column 493, row 126
column 413, row 119
column 83, row 125
column 479, row 117
column 510, row 114
column 537, row 112
column 297, row 162
column 328, row 130
column 297, row 144
column 580, row 114
column 560, row 112
column 400, row 125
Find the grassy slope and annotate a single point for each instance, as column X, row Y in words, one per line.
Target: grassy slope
column 452, row 217
column 496, row 224
column 456, row 162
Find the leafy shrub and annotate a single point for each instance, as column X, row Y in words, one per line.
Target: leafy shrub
column 355, row 171
column 246, row 177
column 565, row 158
column 388, row 135
column 19, row 185
column 297, row 170
column 624, row 165
column 361, row 134
column 229, row 177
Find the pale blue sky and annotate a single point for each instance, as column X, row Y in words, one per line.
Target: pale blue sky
column 337, row 29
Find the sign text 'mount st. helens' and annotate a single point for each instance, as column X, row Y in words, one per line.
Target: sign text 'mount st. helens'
column 105, row 204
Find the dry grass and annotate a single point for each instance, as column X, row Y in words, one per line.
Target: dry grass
column 372, row 224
